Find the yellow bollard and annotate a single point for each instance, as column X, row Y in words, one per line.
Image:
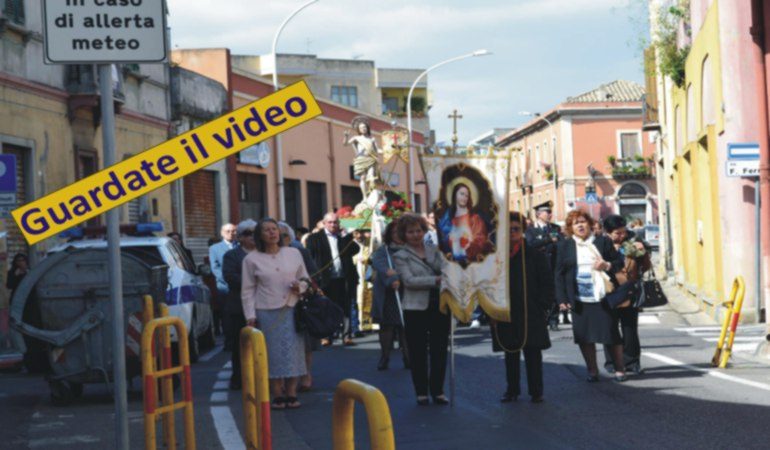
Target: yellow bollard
column 151, row 376
column 729, row 324
column 148, row 313
column 377, row 412
column 256, row 392
column 167, row 383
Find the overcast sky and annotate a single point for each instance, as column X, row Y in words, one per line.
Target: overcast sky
column 544, row 50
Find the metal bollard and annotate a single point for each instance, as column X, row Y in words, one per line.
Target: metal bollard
column 734, row 304
column 256, row 392
column 151, row 376
column 167, row 383
column 377, row 412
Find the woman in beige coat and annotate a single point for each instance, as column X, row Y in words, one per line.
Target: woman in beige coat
column 427, row 329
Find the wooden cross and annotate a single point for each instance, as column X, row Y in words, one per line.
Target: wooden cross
column 454, row 116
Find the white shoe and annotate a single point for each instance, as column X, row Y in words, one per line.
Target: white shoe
column 475, row 325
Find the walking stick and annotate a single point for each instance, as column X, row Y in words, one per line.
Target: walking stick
column 398, row 296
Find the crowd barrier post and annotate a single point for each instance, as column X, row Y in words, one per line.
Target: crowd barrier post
column 729, row 324
column 256, row 392
column 151, row 376
column 377, row 412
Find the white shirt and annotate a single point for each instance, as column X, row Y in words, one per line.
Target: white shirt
column 588, row 291
column 336, row 261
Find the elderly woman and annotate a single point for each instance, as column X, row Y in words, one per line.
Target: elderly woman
column 385, row 307
column 531, row 299
column 427, row 328
column 271, row 287
column 583, row 263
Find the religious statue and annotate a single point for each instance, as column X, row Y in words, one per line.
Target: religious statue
column 365, row 163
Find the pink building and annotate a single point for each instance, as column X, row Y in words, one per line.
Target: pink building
column 598, row 146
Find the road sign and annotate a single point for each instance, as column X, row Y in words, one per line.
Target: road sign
column 592, row 198
column 743, row 150
column 8, row 174
column 742, row 168
column 109, row 32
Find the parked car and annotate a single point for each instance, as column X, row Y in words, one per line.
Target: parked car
column 187, row 296
column 652, row 235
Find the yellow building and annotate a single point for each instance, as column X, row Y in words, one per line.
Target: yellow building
column 707, row 218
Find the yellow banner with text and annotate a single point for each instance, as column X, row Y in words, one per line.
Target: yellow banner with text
column 164, row 163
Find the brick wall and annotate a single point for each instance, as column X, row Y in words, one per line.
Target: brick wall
column 200, row 212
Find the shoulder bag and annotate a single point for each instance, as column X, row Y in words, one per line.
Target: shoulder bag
column 651, row 292
column 316, row 314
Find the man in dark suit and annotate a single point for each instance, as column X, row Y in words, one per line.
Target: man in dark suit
column 544, row 236
column 333, row 254
column 232, row 269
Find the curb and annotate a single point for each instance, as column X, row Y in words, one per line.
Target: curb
column 685, row 307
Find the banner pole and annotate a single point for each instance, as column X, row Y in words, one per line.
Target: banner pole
column 452, row 360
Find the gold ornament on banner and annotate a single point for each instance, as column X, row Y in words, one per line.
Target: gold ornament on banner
column 394, row 143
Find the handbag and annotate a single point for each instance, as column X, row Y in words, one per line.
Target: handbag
column 317, row 315
column 651, row 293
column 625, row 295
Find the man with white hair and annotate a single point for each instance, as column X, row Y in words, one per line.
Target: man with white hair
column 216, row 254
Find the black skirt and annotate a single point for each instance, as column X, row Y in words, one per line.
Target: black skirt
column 594, row 323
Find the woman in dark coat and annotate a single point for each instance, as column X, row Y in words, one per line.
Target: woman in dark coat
column 385, row 308
column 526, row 263
column 582, row 261
column 17, row 272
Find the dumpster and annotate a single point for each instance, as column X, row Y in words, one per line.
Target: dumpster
column 71, row 291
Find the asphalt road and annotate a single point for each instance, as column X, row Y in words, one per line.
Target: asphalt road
column 678, row 402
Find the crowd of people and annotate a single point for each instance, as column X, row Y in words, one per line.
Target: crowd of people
column 263, row 268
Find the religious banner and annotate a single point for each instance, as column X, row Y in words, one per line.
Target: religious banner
column 469, row 196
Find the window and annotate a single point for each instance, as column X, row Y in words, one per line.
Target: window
column 346, row 95
column 16, row 242
column 417, row 203
column 251, row 195
column 630, row 145
column 316, row 202
column 389, row 104
column 14, row 11
column 351, row 196
column 293, row 197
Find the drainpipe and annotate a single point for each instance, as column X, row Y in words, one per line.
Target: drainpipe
column 761, row 62
column 333, row 171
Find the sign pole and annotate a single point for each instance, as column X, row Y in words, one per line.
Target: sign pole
column 113, row 263
column 452, row 322
column 758, row 265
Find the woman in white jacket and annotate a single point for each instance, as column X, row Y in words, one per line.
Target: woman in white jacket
column 427, row 329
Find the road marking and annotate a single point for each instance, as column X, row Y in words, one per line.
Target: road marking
column 712, row 372
column 63, row 440
column 47, row 425
column 756, row 339
column 224, row 422
column 227, row 430
column 218, row 397
column 221, row 385
column 648, row 319
column 211, row 353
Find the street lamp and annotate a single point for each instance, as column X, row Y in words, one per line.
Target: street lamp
column 553, row 156
column 278, row 148
column 480, row 52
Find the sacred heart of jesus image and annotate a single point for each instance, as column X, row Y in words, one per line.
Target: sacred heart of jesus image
column 466, row 215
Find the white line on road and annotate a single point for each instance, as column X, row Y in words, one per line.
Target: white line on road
column 210, row 354
column 62, row 440
column 221, row 385
column 714, row 373
column 218, row 397
column 646, row 319
column 756, row 339
column 224, row 422
column 227, row 430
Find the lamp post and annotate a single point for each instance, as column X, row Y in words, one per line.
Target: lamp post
column 481, row 52
column 553, row 157
column 278, row 148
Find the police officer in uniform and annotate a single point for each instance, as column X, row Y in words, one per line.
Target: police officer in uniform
column 543, row 236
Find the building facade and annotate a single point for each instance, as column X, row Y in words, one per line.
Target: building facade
column 588, row 152
column 317, row 166
column 49, row 119
column 720, row 100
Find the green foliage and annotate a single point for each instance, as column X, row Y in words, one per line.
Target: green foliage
column 671, row 58
column 418, row 104
column 611, row 159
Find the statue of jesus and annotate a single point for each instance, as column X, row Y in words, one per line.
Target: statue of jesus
column 365, row 163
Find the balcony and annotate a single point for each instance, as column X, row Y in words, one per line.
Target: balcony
column 636, row 168
column 82, row 84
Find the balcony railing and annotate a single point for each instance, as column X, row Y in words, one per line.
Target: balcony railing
column 632, row 168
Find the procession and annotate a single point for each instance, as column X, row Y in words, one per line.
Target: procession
column 332, row 224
